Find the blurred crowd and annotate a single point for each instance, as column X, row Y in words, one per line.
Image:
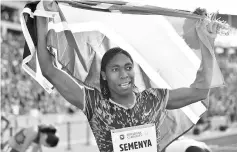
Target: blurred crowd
column 223, row 101
column 9, row 14
column 19, row 92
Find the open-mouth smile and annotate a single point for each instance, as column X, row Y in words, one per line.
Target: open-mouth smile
column 125, row 85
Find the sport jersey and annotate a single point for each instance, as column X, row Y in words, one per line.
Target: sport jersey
column 104, row 115
column 16, row 142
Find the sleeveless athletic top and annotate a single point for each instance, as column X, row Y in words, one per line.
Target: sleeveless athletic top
column 104, row 115
column 16, row 142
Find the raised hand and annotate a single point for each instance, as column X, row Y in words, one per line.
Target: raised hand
column 207, row 30
column 211, row 26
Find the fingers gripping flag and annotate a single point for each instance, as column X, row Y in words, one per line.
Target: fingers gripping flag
column 168, row 47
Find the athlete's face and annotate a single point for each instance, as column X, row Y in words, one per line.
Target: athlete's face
column 119, row 75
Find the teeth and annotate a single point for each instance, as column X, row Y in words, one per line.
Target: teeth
column 125, row 85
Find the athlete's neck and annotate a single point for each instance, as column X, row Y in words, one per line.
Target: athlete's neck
column 126, row 100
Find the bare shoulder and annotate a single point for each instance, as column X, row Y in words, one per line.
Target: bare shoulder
column 31, row 131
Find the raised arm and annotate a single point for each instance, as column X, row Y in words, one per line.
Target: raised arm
column 199, row 89
column 66, row 86
column 181, row 97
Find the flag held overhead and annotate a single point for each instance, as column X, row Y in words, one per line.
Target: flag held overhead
column 168, row 47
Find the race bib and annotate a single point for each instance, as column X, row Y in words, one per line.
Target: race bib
column 135, row 139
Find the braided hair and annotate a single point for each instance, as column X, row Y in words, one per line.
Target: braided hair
column 43, row 128
column 108, row 56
